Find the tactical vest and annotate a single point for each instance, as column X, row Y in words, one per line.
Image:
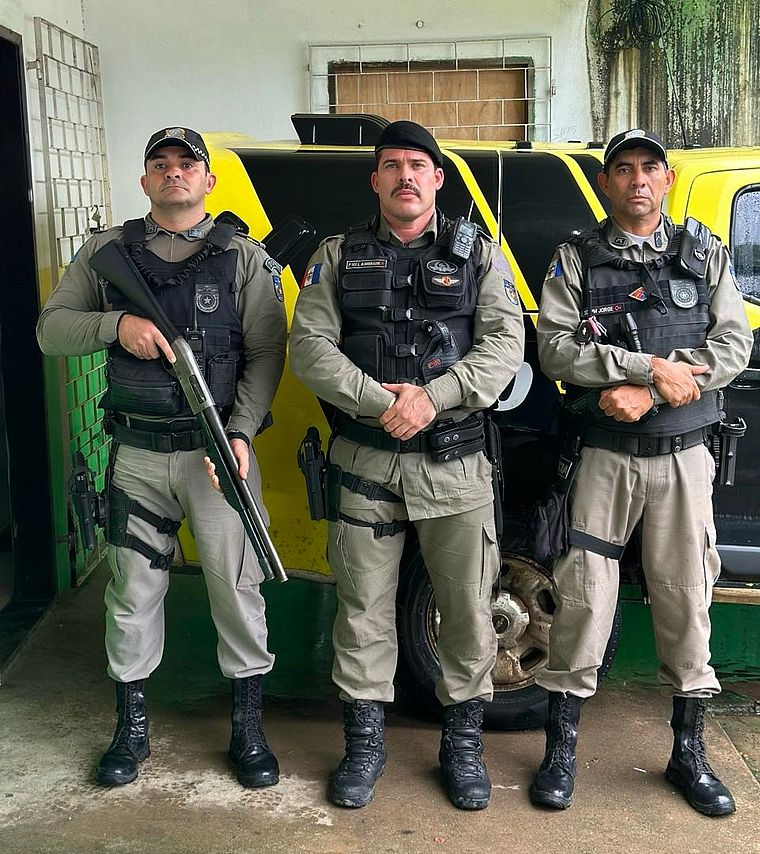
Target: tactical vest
column 670, row 307
column 407, row 314
column 198, row 296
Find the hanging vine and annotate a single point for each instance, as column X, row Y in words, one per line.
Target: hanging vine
column 634, row 23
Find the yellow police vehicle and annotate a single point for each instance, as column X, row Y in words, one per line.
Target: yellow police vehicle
column 528, row 197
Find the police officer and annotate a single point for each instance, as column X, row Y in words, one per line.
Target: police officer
column 410, row 338
column 224, row 293
column 651, row 316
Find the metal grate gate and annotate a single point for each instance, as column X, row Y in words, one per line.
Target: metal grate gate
column 488, row 89
column 78, row 201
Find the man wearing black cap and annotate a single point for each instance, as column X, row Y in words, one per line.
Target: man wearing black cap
column 650, row 315
column 224, row 293
column 410, row 341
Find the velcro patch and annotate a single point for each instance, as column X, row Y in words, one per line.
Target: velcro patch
column 368, row 264
column 639, row 294
column 311, row 277
column 555, row 270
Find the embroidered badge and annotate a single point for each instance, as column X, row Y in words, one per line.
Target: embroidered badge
column 620, row 241
column 683, row 292
column 277, row 285
column 207, row 298
column 639, row 294
column 272, row 265
column 311, row 277
column 446, row 281
column 658, row 239
column 443, row 267
column 511, row 291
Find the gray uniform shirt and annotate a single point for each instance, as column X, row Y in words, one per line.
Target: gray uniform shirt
column 473, row 383
column 77, row 319
column 726, row 351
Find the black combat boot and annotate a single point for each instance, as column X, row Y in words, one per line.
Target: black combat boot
column 255, row 763
column 555, row 779
column 353, row 784
column 130, row 743
column 688, row 767
column 461, row 756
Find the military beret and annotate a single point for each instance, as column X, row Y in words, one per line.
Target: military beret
column 409, row 135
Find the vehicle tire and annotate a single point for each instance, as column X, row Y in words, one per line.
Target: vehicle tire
column 522, row 614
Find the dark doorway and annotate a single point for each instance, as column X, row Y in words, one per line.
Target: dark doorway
column 26, row 538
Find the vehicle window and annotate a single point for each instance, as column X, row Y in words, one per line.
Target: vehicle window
column 745, row 240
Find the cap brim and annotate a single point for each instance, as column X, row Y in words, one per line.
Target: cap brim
column 164, row 143
column 639, row 142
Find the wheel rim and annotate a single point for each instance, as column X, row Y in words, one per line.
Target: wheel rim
column 522, row 613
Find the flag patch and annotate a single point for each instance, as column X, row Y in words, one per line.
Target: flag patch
column 311, row 277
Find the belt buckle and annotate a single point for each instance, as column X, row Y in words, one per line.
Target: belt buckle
column 648, row 447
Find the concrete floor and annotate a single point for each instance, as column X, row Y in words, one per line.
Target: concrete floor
column 56, row 717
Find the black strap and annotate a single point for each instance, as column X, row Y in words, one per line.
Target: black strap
column 643, row 445
column 121, row 507
column 161, row 442
column 162, row 524
column 381, row 529
column 157, row 560
column 373, row 491
column 593, row 544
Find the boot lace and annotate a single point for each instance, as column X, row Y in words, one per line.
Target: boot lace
column 697, row 746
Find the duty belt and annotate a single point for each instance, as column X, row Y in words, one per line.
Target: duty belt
column 445, row 441
column 375, row 437
column 643, row 445
column 181, row 434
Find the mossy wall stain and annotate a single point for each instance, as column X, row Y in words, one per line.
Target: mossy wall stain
column 707, row 65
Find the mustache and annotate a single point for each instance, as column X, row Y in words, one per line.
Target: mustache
column 406, row 188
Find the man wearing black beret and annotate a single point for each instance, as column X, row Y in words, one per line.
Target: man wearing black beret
column 410, row 335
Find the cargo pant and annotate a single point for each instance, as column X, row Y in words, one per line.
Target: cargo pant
column 176, row 485
column 672, row 495
column 463, row 559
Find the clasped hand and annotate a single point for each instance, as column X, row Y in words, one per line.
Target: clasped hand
column 411, row 412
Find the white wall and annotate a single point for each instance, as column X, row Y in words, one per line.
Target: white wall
column 242, row 64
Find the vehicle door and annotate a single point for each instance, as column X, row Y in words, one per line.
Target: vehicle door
column 728, row 202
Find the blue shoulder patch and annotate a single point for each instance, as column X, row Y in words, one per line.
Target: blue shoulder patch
column 555, row 270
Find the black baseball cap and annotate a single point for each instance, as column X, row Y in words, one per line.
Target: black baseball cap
column 409, row 135
column 185, row 137
column 636, row 138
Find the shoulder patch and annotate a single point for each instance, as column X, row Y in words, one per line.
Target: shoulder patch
column 311, row 276
column 555, row 270
column 500, row 263
column 511, row 291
